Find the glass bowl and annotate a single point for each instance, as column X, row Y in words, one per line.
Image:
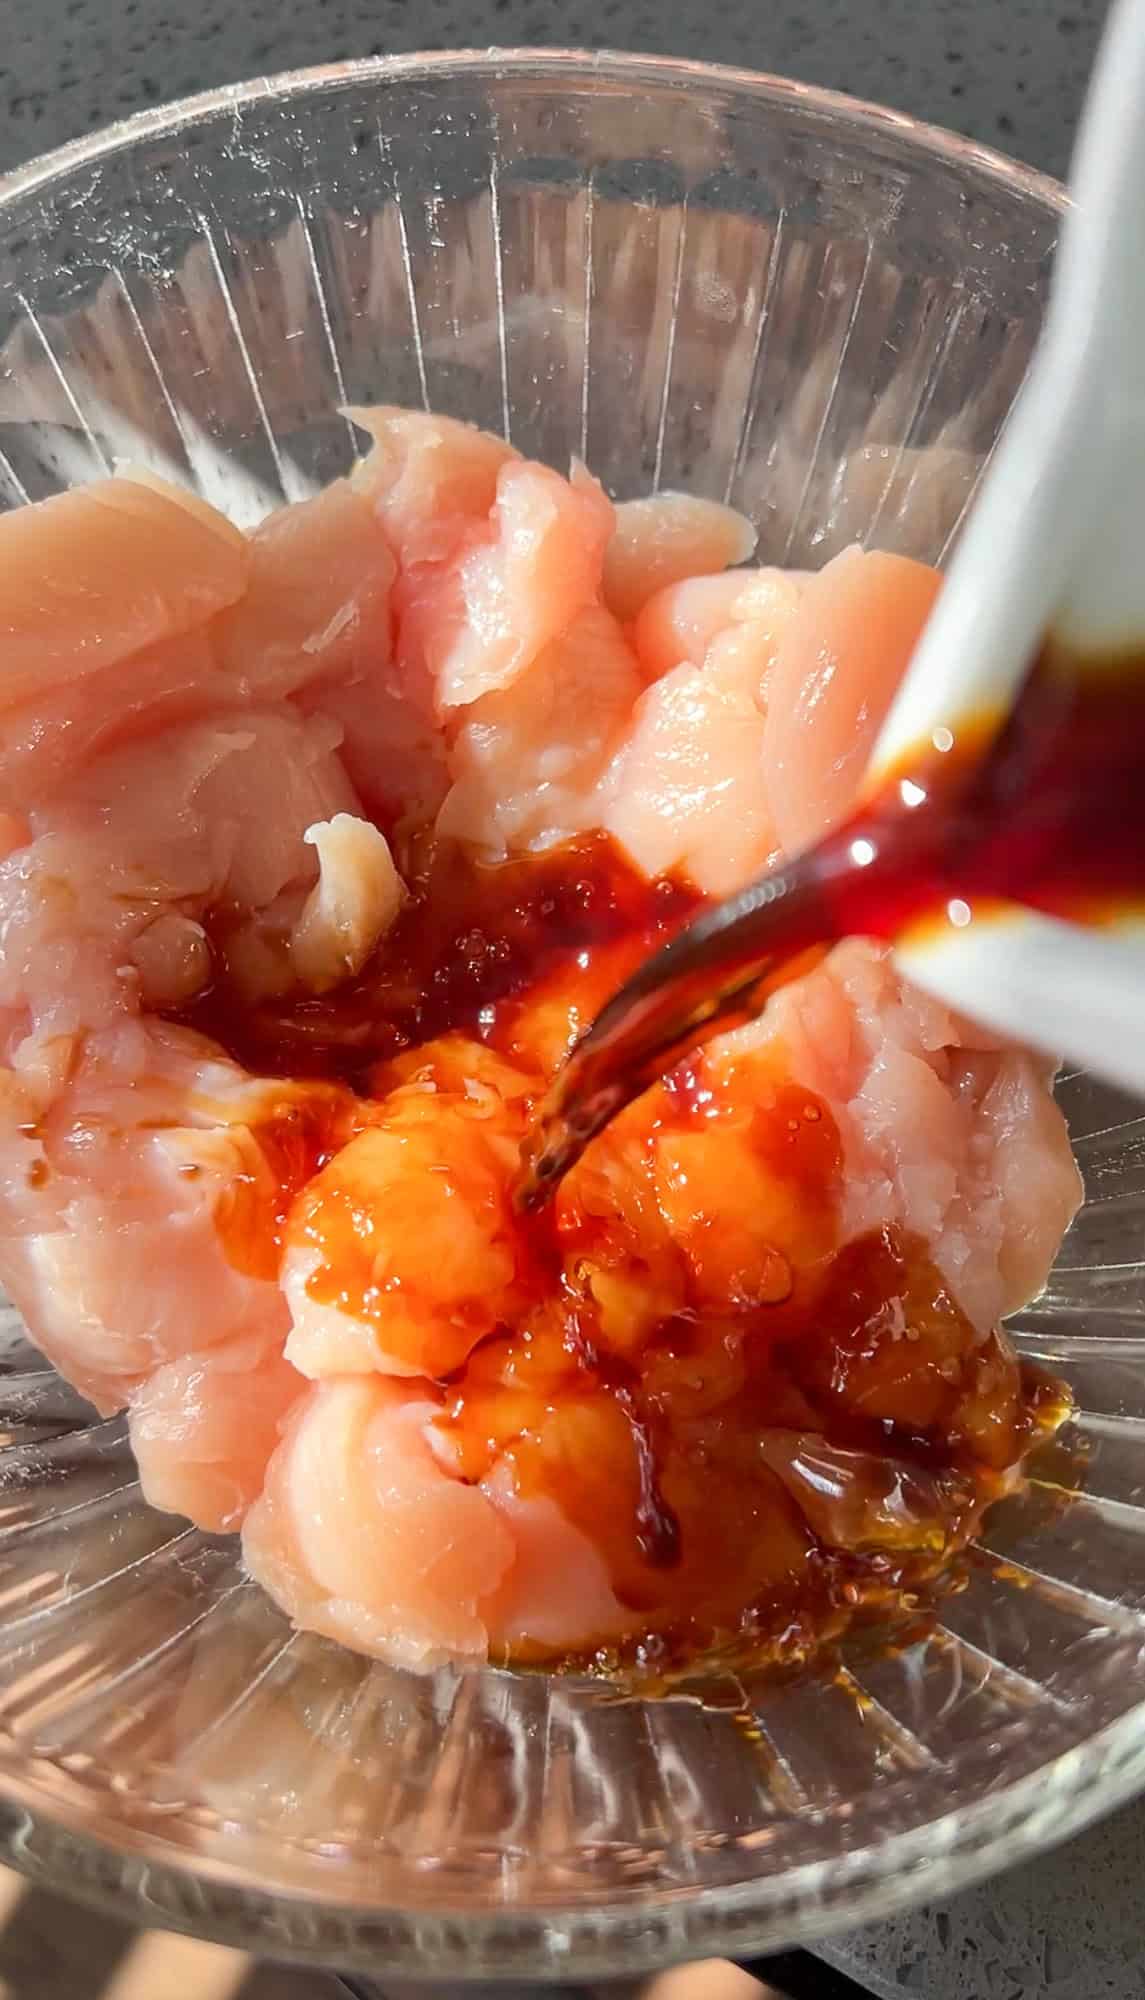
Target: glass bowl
column 693, row 278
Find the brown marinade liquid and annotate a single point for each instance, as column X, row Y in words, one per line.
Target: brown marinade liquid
column 1051, row 813
column 472, row 938
column 1045, row 810
column 678, row 1437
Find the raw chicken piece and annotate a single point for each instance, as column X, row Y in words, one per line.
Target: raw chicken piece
column 515, row 584
column 313, row 620
column 365, row 1532
column 48, row 738
column 233, row 800
column 210, row 814
column 96, row 575
column 136, row 1124
column 203, row 1428
column 837, row 669
column 315, row 582
column 685, row 621
column 686, row 791
column 943, row 1130
column 317, row 599
column 436, row 486
column 106, row 613
column 391, row 745
column 173, row 960
column 527, row 760
column 428, row 478
column 680, row 622
column 360, row 1532
column 316, row 624
column 526, row 1611
column 409, row 1231
column 497, row 557
column 109, row 1120
column 1028, row 1175
column 355, row 900
column 668, row 537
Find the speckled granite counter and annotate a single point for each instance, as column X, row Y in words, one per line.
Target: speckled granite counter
column 1012, row 74
column 1064, row 1927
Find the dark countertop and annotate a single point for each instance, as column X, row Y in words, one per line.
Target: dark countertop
column 1062, row 1927
column 1012, row 75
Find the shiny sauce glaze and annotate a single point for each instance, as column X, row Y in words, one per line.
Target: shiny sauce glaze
column 1043, row 807
column 765, row 1437
column 1046, row 808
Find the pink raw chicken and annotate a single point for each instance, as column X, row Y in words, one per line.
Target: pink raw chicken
column 429, row 479
column 188, row 720
column 364, row 1533
column 205, row 815
column 305, row 600
column 519, row 577
column 95, row 576
column 840, row 661
column 147, row 1127
column 528, row 761
column 361, row 1534
column 317, row 598
column 666, row 539
column 943, row 1131
column 686, row 790
column 679, row 623
column 203, row 1428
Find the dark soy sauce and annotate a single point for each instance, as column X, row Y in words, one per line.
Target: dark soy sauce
column 1044, row 808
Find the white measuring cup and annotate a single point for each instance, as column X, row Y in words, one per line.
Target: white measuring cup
column 1054, row 549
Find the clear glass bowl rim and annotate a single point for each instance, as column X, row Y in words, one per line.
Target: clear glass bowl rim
column 504, row 64
column 131, row 1875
